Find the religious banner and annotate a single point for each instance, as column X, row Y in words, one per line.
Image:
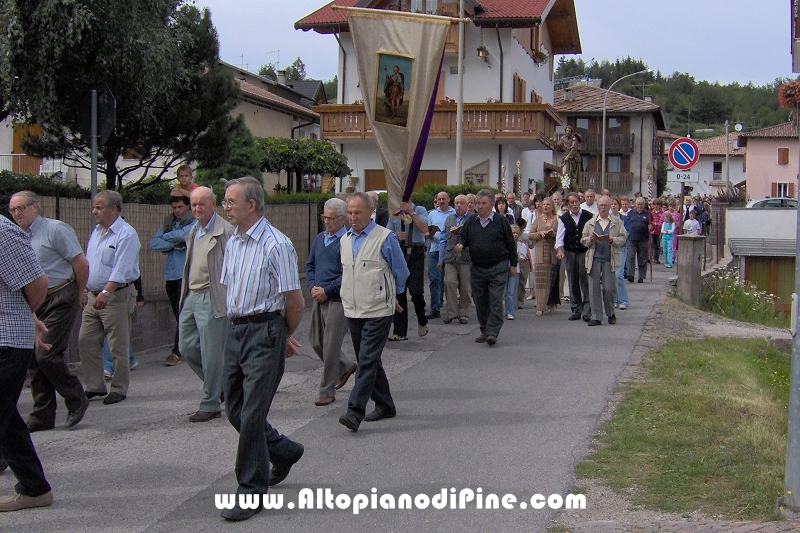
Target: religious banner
column 399, row 57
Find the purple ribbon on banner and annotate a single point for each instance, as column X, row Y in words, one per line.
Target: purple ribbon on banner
column 419, row 153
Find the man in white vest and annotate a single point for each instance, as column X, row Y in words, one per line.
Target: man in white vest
column 374, row 271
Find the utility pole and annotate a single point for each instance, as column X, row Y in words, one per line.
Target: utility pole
column 460, row 96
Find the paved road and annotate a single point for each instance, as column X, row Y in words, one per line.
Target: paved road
column 509, row 419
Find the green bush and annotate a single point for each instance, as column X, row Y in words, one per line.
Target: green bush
column 11, row 182
column 425, row 195
column 149, row 192
column 724, row 295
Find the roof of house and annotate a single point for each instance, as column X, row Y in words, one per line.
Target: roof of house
column 787, row 130
column 309, row 89
column 272, row 100
column 500, row 13
column 587, row 99
column 716, row 145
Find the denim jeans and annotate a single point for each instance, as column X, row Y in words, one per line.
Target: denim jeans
column 108, row 361
column 511, row 294
column 622, row 288
column 254, row 362
column 369, row 338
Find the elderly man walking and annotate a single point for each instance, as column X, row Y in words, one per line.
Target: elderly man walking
column 23, row 287
column 328, row 324
column 202, row 321
column 60, row 255
column 568, row 243
column 374, row 271
column 455, row 266
column 493, row 252
column 603, row 236
column 639, row 238
column 113, row 254
column 437, row 217
column 410, row 229
column 265, row 304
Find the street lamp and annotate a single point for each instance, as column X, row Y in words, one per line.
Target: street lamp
column 605, row 102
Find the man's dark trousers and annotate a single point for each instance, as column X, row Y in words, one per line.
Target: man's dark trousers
column 488, row 287
column 578, row 281
column 369, row 338
column 16, row 446
column 254, row 362
column 415, row 286
column 173, row 288
column 637, row 251
column 50, row 373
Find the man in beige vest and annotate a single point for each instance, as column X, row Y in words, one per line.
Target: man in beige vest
column 374, row 271
column 203, row 318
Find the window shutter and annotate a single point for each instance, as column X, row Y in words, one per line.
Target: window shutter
column 791, row 190
column 774, row 190
column 783, row 156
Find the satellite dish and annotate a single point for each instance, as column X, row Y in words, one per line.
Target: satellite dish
column 738, row 127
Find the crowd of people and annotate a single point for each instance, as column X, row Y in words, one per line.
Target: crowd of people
column 235, row 290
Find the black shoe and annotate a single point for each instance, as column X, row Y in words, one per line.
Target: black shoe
column 90, row 395
column 349, row 421
column 237, row 514
column 447, row 320
column 612, row 319
column 481, row 338
column 594, row 322
column 586, row 318
column 491, row 340
column 73, row 417
column 113, row 398
column 433, row 314
column 575, row 316
column 279, row 473
column 630, row 279
column 379, row 414
column 641, row 280
column 36, row 426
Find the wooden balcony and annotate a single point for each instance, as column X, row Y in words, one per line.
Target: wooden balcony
column 615, row 181
column 616, row 143
column 527, row 126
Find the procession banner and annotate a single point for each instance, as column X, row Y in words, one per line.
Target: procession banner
column 398, row 57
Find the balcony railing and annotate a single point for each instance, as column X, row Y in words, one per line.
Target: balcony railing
column 615, row 181
column 20, row 163
column 616, row 143
column 535, row 122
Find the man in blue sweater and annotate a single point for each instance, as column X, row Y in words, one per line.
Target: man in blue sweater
column 328, row 323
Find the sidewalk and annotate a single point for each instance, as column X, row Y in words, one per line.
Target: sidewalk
column 512, row 419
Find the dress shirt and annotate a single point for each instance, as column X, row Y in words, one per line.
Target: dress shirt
column 390, row 251
column 18, row 267
column 259, row 266
column 55, row 244
column 438, row 217
column 335, row 237
column 562, row 230
column 591, row 208
column 200, row 233
column 485, row 223
column 113, row 256
column 443, row 239
column 413, row 235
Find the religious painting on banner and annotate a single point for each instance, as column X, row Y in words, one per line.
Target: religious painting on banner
column 399, row 58
column 394, row 101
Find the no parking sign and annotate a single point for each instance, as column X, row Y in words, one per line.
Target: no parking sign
column 683, row 153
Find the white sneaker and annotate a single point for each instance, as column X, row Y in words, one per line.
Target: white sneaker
column 623, row 306
column 135, row 365
column 510, row 317
column 107, row 375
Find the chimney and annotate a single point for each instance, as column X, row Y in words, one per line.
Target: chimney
column 569, row 95
column 282, row 77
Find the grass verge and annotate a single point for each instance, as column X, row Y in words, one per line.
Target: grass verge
column 704, row 428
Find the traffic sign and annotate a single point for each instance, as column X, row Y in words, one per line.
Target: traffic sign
column 683, row 153
column 684, row 177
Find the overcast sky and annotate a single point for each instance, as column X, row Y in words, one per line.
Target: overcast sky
column 715, row 40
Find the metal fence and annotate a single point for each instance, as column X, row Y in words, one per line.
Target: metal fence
column 298, row 221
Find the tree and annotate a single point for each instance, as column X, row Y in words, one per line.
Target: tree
column 268, row 71
column 241, row 158
column 296, row 71
column 298, row 157
column 158, row 57
column 331, row 88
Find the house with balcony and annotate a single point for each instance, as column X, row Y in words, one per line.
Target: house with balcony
column 711, row 165
column 771, row 160
column 633, row 144
column 508, row 92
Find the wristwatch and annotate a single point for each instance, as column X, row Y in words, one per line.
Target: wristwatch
column 105, row 293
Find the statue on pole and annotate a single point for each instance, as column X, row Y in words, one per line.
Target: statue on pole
column 570, row 144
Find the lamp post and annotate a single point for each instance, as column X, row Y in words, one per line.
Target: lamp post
column 460, row 96
column 605, row 102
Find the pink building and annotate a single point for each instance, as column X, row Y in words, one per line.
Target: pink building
column 771, row 162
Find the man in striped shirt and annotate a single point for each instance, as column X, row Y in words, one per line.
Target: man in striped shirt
column 260, row 271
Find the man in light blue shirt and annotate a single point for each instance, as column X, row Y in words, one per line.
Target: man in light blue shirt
column 169, row 240
column 437, row 217
column 110, row 298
